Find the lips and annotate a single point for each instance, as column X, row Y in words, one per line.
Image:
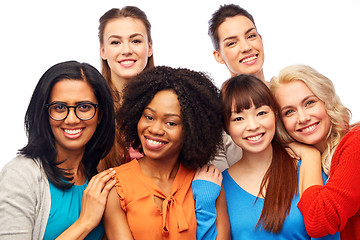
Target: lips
column 127, row 62
column 73, row 133
column 255, row 138
column 308, row 129
column 154, row 143
column 249, row 59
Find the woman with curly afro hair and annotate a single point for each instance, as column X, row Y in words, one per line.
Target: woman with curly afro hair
column 172, row 116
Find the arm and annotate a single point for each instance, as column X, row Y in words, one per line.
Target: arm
column 92, row 206
column 115, row 221
column 310, row 169
column 206, row 189
column 18, row 198
column 327, row 209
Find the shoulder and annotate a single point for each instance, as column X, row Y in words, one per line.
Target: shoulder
column 26, row 167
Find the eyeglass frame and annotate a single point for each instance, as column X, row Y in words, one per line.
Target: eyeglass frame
column 47, row 106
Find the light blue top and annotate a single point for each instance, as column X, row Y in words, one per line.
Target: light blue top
column 65, row 210
column 244, row 213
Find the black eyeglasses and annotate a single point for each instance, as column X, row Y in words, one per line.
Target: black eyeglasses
column 60, row 111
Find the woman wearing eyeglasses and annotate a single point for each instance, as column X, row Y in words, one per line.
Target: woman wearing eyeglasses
column 52, row 189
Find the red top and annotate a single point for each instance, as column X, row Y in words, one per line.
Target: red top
column 336, row 205
column 137, row 191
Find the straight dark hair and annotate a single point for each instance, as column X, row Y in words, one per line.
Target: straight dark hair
column 280, row 180
column 41, row 141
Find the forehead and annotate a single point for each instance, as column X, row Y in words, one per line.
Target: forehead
column 233, row 26
column 125, row 26
column 292, row 92
column 165, row 101
column 70, row 90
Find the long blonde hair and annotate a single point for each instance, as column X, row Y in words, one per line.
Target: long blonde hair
column 323, row 88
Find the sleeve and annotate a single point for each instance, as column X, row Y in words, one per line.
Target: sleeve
column 17, row 205
column 326, row 209
column 205, row 194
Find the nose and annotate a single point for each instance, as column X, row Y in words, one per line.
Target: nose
column 303, row 116
column 71, row 117
column 245, row 46
column 156, row 128
column 252, row 124
column 126, row 49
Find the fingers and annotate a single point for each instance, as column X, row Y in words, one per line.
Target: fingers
column 209, row 173
column 100, row 180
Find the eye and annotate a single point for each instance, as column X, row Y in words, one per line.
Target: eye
column 229, row 44
column 84, row 107
column 148, row 117
column 288, row 112
column 115, row 42
column 137, row 41
column 309, row 103
column 172, row 124
column 262, row 113
column 252, row 35
column 237, row 119
column 58, row 107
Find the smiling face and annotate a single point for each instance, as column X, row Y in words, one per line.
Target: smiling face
column 304, row 115
column 72, row 134
column 160, row 127
column 252, row 129
column 240, row 47
column 125, row 47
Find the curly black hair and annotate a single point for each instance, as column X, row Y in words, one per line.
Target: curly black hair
column 201, row 110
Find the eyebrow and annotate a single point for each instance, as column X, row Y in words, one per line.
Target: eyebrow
column 131, row 36
column 167, row 114
column 305, row 98
column 233, row 37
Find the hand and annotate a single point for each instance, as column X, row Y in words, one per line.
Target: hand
column 95, row 196
column 300, row 151
column 209, row 173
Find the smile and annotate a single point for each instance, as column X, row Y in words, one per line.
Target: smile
column 72, row 131
column 309, row 129
column 154, row 144
column 249, row 59
column 255, row 138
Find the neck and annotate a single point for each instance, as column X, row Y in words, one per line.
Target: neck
column 162, row 170
column 260, row 75
column 73, row 165
column 118, row 82
column 258, row 161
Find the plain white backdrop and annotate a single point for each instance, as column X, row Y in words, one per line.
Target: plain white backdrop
column 37, row 34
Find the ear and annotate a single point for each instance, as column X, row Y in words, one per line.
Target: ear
column 218, row 57
column 102, row 52
column 150, row 51
column 99, row 117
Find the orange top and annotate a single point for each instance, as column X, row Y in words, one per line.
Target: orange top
column 137, row 191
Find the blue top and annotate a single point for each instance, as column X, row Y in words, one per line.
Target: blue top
column 65, row 210
column 244, row 213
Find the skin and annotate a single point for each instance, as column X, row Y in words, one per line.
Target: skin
column 72, row 147
column 240, row 47
column 126, row 48
column 161, row 135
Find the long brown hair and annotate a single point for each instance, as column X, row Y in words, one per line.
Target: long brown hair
column 281, row 179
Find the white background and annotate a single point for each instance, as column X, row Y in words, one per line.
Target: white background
column 37, row 34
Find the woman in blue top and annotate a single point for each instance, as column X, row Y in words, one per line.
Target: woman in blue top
column 262, row 187
column 52, row 189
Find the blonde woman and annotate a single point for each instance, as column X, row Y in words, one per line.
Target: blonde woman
column 312, row 113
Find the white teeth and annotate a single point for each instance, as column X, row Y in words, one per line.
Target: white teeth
column 72, row 132
column 154, row 142
column 249, row 59
column 127, row 62
column 255, row 138
column 308, row 129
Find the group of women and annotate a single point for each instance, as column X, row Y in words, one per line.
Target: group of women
column 140, row 151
